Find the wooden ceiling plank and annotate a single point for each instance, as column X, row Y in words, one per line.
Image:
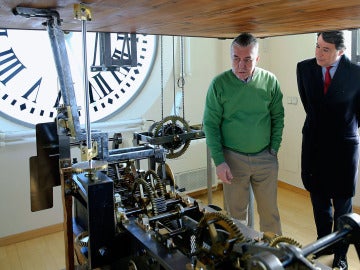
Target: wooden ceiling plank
column 202, row 18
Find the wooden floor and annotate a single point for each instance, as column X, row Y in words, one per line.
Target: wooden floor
column 47, row 252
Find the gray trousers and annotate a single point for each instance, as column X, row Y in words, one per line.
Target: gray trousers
column 261, row 171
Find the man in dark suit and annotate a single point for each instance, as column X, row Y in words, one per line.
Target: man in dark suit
column 329, row 88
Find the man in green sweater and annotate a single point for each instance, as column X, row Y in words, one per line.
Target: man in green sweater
column 243, row 125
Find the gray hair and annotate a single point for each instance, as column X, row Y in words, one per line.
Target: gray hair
column 245, row 39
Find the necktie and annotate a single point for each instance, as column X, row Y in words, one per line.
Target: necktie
column 327, row 79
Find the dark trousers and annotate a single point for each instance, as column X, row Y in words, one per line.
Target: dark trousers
column 326, row 213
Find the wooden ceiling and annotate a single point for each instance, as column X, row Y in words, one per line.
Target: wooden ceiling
column 199, row 18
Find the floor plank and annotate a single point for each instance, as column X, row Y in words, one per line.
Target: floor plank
column 9, row 258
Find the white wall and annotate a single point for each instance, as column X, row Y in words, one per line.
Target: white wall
column 282, row 54
column 208, row 57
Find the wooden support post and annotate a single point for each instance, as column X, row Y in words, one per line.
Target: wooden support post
column 66, row 175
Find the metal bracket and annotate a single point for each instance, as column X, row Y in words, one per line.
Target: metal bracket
column 57, row 41
column 111, row 62
column 38, row 13
column 82, row 12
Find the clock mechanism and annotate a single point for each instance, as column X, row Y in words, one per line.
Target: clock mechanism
column 119, row 216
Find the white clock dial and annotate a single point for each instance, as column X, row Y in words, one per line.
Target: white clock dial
column 29, row 88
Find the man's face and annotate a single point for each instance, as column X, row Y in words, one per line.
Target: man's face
column 244, row 60
column 325, row 53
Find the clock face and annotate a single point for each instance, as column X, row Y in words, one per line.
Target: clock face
column 29, row 87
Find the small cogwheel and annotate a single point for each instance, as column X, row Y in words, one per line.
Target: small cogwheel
column 154, row 179
column 283, row 239
column 144, row 195
column 82, row 239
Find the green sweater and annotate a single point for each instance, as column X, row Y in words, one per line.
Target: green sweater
column 245, row 117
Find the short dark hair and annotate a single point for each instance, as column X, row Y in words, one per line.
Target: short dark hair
column 245, row 39
column 334, row 37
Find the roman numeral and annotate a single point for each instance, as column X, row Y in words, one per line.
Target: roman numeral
column 102, row 90
column 58, row 98
column 3, row 32
column 125, row 51
column 31, row 90
column 10, row 66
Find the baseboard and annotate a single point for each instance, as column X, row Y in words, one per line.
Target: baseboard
column 292, row 188
column 16, row 238
column 281, row 184
column 200, row 192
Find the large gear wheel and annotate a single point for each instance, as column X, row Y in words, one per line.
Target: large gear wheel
column 218, row 234
column 173, row 126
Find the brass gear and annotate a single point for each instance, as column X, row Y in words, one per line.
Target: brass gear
column 168, row 173
column 152, row 127
column 283, row 239
column 277, row 239
column 154, row 179
column 82, row 239
column 147, row 202
column 132, row 265
column 211, row 225
column 128, row 174
column 274, row 239
column 173, row 125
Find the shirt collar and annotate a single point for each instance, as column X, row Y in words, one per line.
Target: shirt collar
column 334, row 65
column 333, row 69
column 248, row 79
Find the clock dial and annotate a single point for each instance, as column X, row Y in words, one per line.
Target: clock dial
column 29, row 88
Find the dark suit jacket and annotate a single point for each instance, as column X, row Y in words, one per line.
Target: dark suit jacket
column 330, row 146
